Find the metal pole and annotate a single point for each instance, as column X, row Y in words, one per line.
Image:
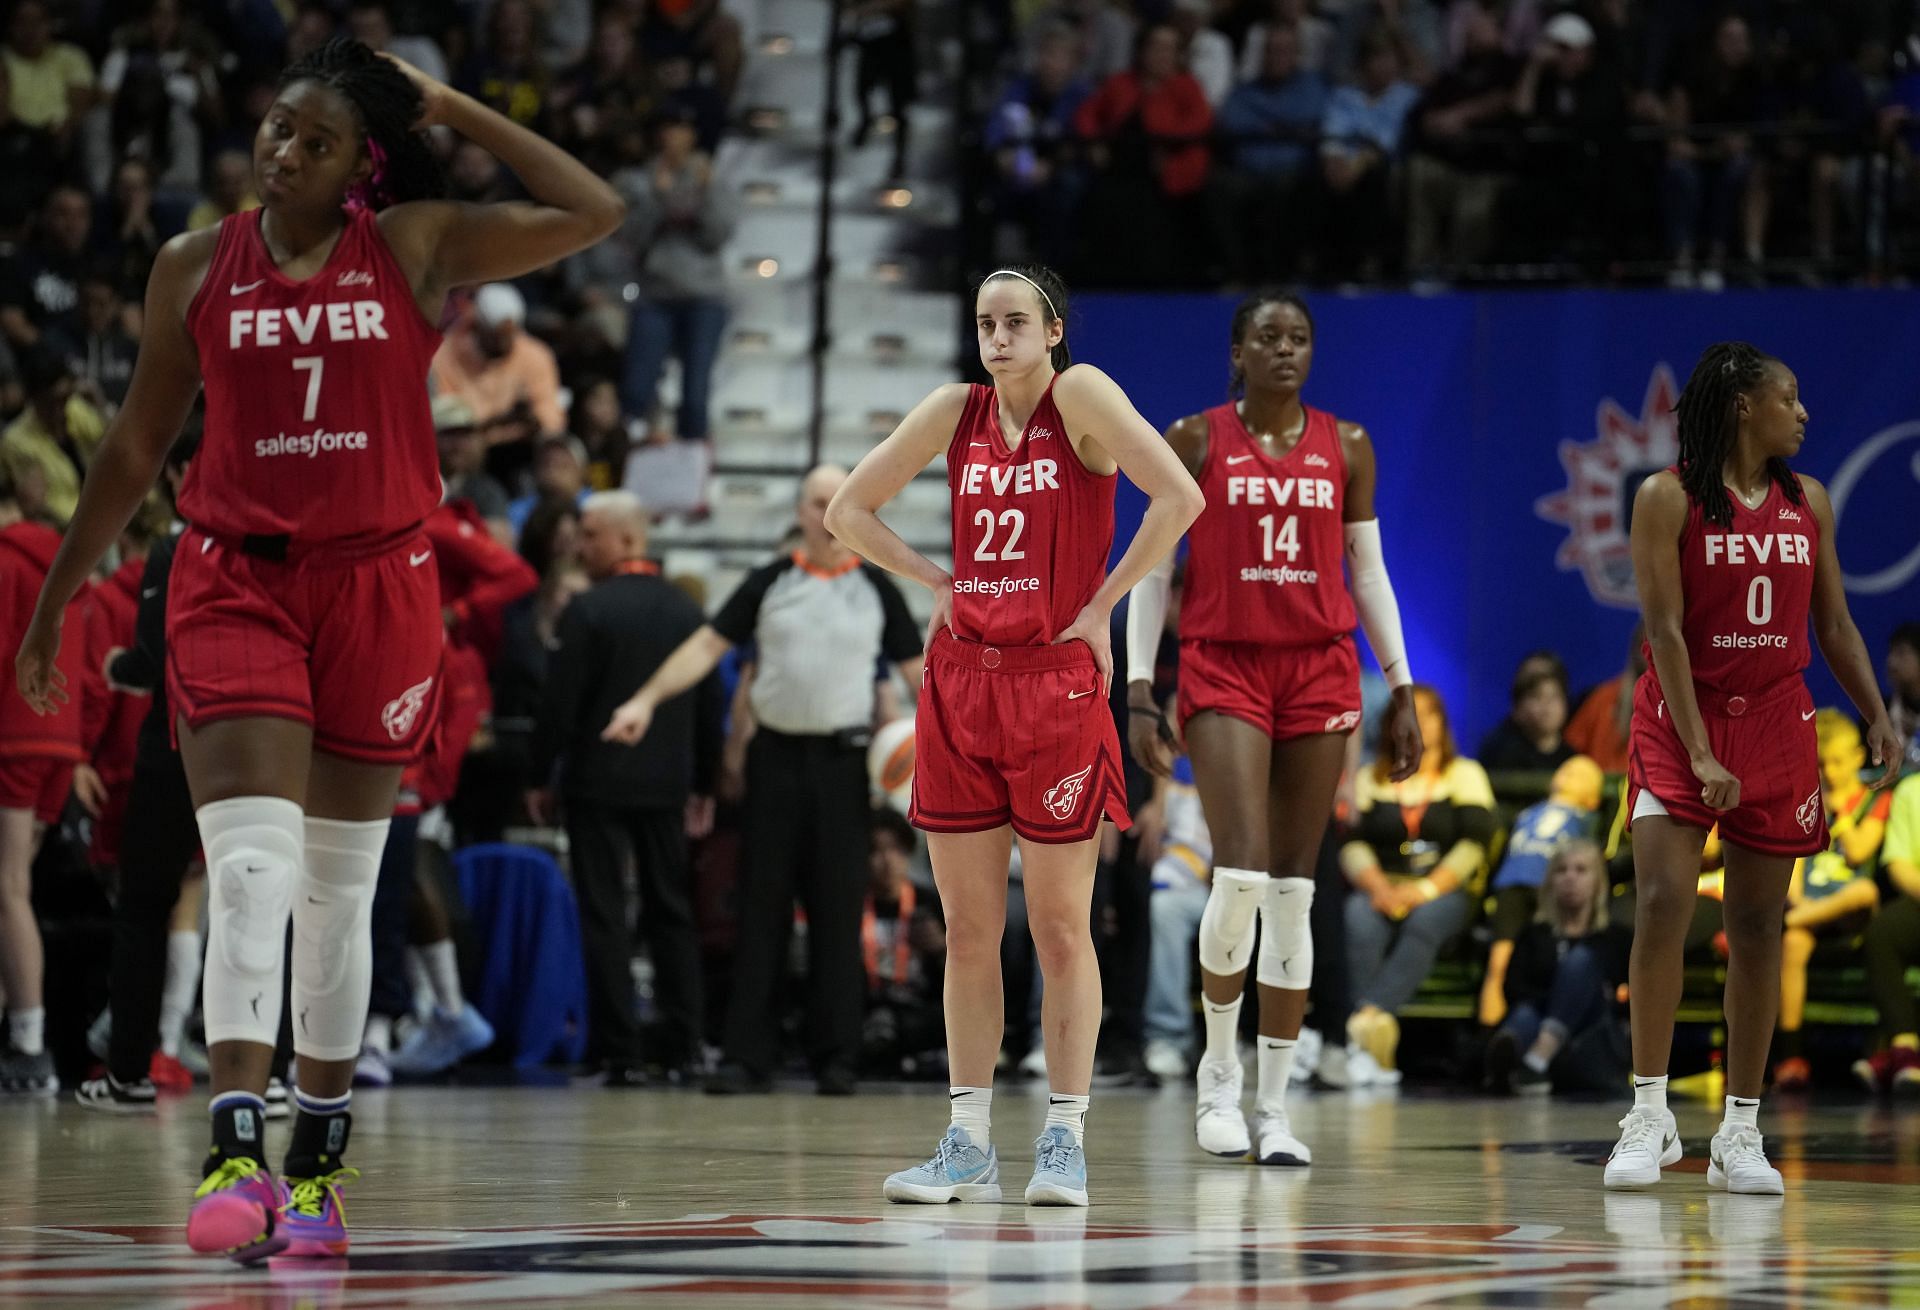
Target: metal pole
column 823, row 255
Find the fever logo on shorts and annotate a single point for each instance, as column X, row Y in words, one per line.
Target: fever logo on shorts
column 1602, row 477
column 403, row 711
column 1809, row 812
column 1343, row 722
column 1065, row 796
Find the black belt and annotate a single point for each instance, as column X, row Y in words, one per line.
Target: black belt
column 272, row 546
column 852, row 739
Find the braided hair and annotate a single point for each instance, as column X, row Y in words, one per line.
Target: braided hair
column 1243, row 319
column 388, row 105
column 1052, row 298
column 1709, row 417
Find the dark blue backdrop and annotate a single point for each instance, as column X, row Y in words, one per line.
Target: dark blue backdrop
column 1486, row 409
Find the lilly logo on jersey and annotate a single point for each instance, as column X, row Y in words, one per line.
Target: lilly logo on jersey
column 1315, row 460
column 1790, row 515
column 403, row 711
column 1064, row 797
column 355, row 278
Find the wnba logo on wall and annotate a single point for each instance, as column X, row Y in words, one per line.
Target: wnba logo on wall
column 1602, row 477
column 404, row 710
column 1060, row 801
column 1809, row 811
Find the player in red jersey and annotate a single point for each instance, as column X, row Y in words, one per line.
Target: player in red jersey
column 1014, row 736
column 303, row 611
column 1269, row 690
column 1732, row 552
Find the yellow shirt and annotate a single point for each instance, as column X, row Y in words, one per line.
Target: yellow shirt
column 206, row 213
column 40, row 85
column 26, row 445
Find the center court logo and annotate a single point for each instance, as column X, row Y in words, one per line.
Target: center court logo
column 1602, row 476
column 1065, row 796
column 403, row 711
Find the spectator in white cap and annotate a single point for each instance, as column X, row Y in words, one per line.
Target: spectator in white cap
column 508, row 377
column 1572, row 110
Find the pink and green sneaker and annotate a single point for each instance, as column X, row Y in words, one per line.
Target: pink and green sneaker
column 237, row 1213
column 313, row 1219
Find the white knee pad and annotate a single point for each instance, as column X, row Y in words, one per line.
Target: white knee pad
column 1286, row 936
column 1226, row 926
column 332, row 936
column 253, row 847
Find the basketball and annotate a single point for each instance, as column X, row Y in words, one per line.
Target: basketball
column 890, row 763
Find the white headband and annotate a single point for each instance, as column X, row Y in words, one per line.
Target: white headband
column 1044, row 297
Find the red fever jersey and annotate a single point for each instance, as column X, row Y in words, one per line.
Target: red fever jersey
column 1264, row 558
column 318, row 423
column 1031, row 526
column 1011, row 729
column 1747, row 595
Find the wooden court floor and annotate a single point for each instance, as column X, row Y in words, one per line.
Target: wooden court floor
column 574, row 1196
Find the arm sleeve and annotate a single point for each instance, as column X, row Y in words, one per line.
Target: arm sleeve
column 899, row 636
column 740, row 616
column 1147, row 619
column 1373, row 597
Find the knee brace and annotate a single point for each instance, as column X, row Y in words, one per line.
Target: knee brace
column 333, row 936
column 1227, row 924
column 253, row 848
column 1286, row 937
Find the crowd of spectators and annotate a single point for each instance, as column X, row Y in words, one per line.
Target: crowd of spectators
column 1208, row 142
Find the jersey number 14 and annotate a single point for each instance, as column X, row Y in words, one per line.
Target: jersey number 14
column 1284, row 542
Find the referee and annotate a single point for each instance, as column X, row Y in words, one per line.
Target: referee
column 820, row 621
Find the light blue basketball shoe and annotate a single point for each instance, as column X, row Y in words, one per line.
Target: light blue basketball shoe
column 958, row 1171
column 1059, row 1169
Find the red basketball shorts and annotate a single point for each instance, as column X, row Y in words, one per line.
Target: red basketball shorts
column 35, row 782
column 1285, row 691
column 345, row 641
column 1019, row 735
column 1766, row 741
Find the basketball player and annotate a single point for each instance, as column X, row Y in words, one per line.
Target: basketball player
column 1269, row 690
column 1732, row 551
column 304, row 611
column 1014, row 736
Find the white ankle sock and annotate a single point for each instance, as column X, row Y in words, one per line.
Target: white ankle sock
column 1067, row 1111
column 443, row 968
column 1650, row 1094
column 1223, row 1030
column 27, row 1030
column 1276, row 1066
column 973, row 1111
column 1741, row 1113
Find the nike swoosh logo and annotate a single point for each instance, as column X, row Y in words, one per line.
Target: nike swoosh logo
column 1809, row 714
column 1238, row 459
column 421, row 558
column 235, row 289
column 979, row 443
column 1076, row 695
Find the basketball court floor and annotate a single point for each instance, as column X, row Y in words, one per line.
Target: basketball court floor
column 574, row 1196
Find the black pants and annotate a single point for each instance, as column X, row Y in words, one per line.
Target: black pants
column 157, row 844
column 1893, row 946
column 1126, row 887
column 807, row 832
column 392, row 995
column 1331, row 993
column 603, row 838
